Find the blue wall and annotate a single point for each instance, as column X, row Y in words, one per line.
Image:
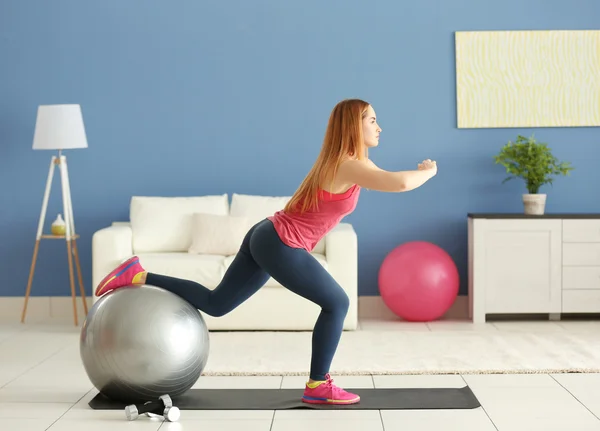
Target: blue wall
column 179, row 96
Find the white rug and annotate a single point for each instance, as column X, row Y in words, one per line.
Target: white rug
column 405, row 352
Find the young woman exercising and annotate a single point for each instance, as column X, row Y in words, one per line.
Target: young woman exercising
column 279, row 246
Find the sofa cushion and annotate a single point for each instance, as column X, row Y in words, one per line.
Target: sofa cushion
column 256, row 208
column 271, row 282
column 217, row 234
column 205, row 269
column 164, row 224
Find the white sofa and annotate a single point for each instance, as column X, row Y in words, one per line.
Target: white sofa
column 196, row 238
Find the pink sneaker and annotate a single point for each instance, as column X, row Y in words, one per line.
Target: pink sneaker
column 124, row 275
column 328, row 393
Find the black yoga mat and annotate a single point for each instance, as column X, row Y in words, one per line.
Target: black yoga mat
column 283, row 399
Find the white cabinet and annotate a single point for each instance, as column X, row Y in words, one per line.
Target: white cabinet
column 522, row 264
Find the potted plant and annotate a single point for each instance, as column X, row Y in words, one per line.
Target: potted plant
column 534, row 163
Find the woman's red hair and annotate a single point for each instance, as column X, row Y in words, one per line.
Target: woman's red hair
column 343, row 138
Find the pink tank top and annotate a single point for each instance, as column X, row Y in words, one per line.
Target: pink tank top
column 307, row 229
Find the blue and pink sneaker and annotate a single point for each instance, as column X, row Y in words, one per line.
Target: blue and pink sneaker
column 128, row 273
column 326, row 392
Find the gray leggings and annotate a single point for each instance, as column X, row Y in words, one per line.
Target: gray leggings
column 263, row 255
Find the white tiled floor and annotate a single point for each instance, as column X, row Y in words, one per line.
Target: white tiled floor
column 43, row 387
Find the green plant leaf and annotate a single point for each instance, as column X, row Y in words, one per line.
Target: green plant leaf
column 531, row 161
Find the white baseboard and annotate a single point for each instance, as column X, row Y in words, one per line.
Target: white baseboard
column 42, row 307
column 61, row 307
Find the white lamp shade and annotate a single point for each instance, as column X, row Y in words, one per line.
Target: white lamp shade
column 59, row 127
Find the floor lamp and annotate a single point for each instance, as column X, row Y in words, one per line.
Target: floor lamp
column 59, row 127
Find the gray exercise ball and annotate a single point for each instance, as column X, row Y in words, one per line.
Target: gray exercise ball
column 138, row 343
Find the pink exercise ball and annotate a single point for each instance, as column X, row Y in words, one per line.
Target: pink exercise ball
column 418, row 281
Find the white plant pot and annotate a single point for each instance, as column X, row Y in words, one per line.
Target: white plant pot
column 535, row 204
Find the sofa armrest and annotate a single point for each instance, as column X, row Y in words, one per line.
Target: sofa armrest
column 341, row 252
column 110, row 246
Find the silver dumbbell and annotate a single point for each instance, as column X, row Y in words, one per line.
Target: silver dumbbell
column 161, row 407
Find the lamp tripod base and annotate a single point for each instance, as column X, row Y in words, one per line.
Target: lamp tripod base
column 70, row 236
